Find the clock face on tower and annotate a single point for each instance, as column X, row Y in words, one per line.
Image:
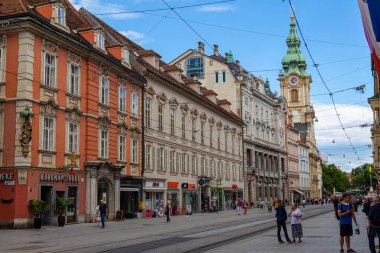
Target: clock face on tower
column 293, row 80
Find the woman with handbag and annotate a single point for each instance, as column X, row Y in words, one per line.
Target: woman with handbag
column 281, row 219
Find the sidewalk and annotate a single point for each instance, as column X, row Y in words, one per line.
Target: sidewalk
column 55, row 239
column 321, row 235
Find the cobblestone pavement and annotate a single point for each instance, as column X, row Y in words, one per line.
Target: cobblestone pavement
column 321, row 234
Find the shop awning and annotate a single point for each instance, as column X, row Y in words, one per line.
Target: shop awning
column 123, row 189
column 299, row 191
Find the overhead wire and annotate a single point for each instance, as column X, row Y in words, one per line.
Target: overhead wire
column 322, row 79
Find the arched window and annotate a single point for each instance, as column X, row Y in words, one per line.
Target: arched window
column 294, row 95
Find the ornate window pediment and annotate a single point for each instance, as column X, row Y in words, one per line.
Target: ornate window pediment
column 122, row 128
column 185, row 108
column 104, row 71
column 150, row 91
column 49, row 47
column 173, row 103
column 73, row 114
column 212, row 121
column 219, row 125
column 49, row 107
column 203, row 117
column 194, row 112
column 104, row 121
column 74, row 58
column 161, row 97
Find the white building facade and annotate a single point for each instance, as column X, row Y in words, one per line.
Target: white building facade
column 304, row 170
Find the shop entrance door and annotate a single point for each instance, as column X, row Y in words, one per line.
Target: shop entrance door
column 72, row 192
column 47, row 195
column 103, row 191
column 128, row 203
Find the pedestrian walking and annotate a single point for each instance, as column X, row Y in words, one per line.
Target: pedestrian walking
column 167, row 211
column 238, row 206
column 245, row 206
column 281, row 219
column 366, row 206
column 296, row 215
column 103, row 212
column 346, row 215
column 374, row 224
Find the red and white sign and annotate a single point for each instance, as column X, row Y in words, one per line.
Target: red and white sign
column 291, row 181
column 251, row 178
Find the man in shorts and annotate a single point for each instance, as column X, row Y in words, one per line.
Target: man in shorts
column 346, row 215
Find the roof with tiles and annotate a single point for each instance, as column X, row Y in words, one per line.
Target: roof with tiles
column 163, row 74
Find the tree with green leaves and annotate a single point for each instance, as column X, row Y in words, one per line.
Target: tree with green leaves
column 333, row 177
column 361, row 177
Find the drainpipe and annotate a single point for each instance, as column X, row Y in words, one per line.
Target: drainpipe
column 142, row 139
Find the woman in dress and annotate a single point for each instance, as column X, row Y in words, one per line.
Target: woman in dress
column 296, row 215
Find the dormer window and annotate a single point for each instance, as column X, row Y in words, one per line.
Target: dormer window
column 60, row 16
column 101, row 41
column 126, row 56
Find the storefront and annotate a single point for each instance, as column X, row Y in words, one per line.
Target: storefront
column 173, row 196
column 217, row 194
column 21, row 185
column 154, row 191
column 189, row 198
column 130, row 194
column 231, row 194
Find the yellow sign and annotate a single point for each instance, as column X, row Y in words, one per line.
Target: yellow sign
column 141, row 205
column 370, row 169
column 73, row 158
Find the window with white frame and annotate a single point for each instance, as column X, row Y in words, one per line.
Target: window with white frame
column 104, row 90
column 233, row 144
column 234, row 172
column 160, row 117
column 177, row 161
column 103, row 143
column 160, row 159
column 73, row 130
column 187, row 163
column 172, row 121
column 49, row 70
column 101, row 43
column 202, row 166
column 154, row 162
column 240, row 173
column 126, row 56
column 148, row 157
column 183, row 163
column 193, row 128
column 122, row 98
column 121, row 148
column 211, row 168
column 134, row 151
column 183, row 126
column 135, row 104
column 60, row 16
column 246, row 104
column 202, row 133
column 224, row 77
column 74, row 79
column 148, row 104
column 194, row 165
column 206, row 167
column 216, row 77
column 48, row 133
column 211, row 136
column 171, row 160
column 220, row 170
column 194, row 67
column 219, row 139
column 226, row 141
column 165, row 166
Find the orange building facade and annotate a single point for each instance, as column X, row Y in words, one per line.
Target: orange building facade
column 70, row 115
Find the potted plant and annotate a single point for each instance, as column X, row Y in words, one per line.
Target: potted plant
column 60, row 209
column 38, row 208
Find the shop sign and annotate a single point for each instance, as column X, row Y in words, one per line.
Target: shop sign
column 251, row 178
column 201, row 182
column 185, row 185
column 219, row 183
column 234, row 186
column 172, row 184
column 213, row 183
column 7, row 177
column 59, row 178
column 154, row 184
column 192, row 187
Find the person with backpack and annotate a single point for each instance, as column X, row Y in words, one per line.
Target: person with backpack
column 281, row 219
column 346, row 215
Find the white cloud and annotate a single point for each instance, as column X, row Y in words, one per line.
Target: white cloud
column 216, row 8
column 328, row 130
column 102, row 6
column 137, row 37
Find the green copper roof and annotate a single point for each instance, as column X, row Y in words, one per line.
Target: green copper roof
column 267, row 86
column 294, row 61
column 230, row 58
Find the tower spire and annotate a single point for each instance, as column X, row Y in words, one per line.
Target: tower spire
column 294, row 61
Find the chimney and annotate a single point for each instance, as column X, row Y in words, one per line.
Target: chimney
column 174, row 71
column 226, row 54
column 216, row 50
column 201, row 47
column 237, row 62
column 194, row 84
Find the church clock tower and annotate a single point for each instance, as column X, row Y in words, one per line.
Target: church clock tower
column 295, row 85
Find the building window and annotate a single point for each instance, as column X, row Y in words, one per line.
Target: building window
column 122, row 99
column 210, row 136
column 194, row 165
column 49, row 75
column 121, row 147
column 240, row 173
column 193, row 130
column 233, row 144
column 216, row 77
column 104, row 90
column 228, row 172
column 245, row 104
column 60, row 13
column 153, row 158
column 148, row 157
column 103, row 143
column 74, row 79
column 48, row 134
column 202, row 133
column 101, row 41
column 195, row 67
column 160, row 157
column 220, row 170
column 224, row 77
column 177, row 161
column 219, row 139
column 126, row 56
column 226, row 141
column 134, row 151
column 234, row 172
column 183, row 163
column 147, row 112
column 135, row 104
column 184, row 126
column 73, row 138
column 187, row 163
column 171, row 158
column 294, row 95
column 172, row 122
column 160, row 117
column 165, row 160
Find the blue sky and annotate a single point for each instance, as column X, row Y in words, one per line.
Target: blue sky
column 258, row 41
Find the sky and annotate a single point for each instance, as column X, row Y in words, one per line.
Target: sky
column 255, row 31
